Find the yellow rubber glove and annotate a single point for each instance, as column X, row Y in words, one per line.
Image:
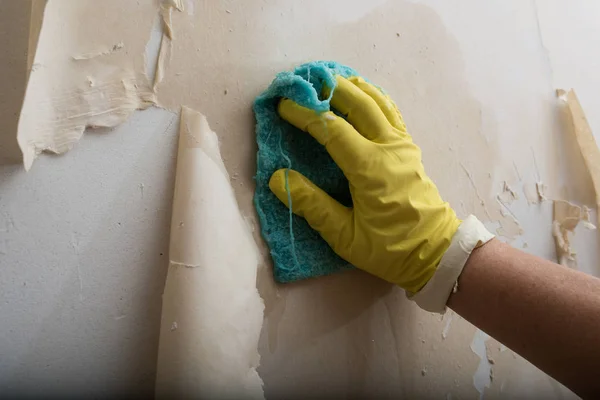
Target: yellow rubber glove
column 399, row 227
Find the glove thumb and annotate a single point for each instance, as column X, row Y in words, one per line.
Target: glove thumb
column 324, row 214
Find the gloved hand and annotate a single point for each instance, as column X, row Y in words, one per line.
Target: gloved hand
column 399, row 227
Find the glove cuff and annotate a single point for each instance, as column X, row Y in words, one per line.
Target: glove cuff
column 433, row 296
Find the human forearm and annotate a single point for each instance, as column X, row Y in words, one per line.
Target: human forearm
column 547, row 313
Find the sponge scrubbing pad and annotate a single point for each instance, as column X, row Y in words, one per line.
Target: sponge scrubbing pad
column 298, row 251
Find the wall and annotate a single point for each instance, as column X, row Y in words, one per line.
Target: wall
column 14, row 44
column 83, row 236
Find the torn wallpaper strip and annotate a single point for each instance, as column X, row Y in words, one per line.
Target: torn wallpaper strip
column 85, row 76
column 585, row 139
column 212, row 313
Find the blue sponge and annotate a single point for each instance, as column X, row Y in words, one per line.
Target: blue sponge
column 298, row 251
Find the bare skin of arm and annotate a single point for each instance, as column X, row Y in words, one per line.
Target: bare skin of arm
column 547, row 313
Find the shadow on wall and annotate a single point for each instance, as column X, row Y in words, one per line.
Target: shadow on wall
column 15, row 21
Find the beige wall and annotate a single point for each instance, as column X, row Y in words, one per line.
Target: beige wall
column 14, row 39
column 17, row 20
column 84, row 237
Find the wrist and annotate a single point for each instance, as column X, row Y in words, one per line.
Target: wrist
column 434, row 295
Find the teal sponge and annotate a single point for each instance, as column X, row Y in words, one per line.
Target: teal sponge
column 298, row 251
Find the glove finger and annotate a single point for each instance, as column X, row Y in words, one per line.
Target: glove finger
column 360, row 110
column 321, row 211
column 341, row 140
column 385, row 103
